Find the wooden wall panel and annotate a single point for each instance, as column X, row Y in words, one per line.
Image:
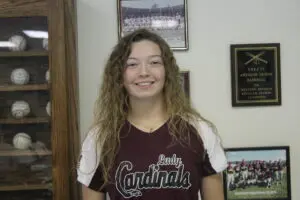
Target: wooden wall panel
column 62, row 20
column 72, row 78
column 13, row 8
column 60, row 135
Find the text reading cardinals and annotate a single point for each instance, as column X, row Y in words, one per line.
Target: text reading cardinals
column 130, row 183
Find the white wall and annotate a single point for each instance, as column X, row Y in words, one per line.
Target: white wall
column 213, row 25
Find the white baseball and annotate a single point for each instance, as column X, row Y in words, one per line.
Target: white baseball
column 48, row 108
column 19, row 76
column 18, row 42
column 45, row 43
column 47, row 76
column 22, row 141
column 20, row 109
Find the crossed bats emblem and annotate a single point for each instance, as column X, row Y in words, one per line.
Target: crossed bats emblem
column 256, row 58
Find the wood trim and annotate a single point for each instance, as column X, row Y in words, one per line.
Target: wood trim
column 23, row 53
column 29, row 87
column 58, row 74
column 16, row 8
column 25, row 120
column 72, row 80
column 25, row 187
column 14, row 152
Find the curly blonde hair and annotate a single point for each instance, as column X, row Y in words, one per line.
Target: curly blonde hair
column 111, row 106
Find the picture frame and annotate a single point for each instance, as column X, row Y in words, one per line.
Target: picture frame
column 257, row 173
column 185, row 81
column 167, row 18
column 255, row 74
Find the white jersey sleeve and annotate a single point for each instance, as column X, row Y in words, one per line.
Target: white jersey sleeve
column 215, row 158
column 88, row 172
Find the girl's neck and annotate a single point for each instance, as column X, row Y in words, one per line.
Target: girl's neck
column 147, row 115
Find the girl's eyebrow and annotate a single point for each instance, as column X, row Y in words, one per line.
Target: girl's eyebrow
column 155, row 56
column 151, row 56
column 132, row 58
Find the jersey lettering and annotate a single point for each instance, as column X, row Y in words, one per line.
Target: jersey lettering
column 130, row 183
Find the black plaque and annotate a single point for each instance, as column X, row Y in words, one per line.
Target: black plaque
column 255, row 74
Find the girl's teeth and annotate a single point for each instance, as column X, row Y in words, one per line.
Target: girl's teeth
column 143, row 84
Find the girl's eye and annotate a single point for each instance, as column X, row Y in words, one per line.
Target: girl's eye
column 131, row 65
column 155, row 62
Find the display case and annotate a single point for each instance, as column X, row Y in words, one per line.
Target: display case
column 38, row 100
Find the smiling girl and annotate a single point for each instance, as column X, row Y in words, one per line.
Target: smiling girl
column 147, row 142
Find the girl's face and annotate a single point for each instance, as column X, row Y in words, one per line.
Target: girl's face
column 144, row 74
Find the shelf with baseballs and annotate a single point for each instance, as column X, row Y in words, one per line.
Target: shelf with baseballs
column 18, row 48
column 22, row 143
column 19, row 177
column 20, row 81
column 20, row 109
column 23, row 147
column 20, row 77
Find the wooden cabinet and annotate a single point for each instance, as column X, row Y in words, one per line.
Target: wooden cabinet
column 38, row 100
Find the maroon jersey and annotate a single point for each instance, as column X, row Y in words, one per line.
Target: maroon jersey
column 147, row 167
column 251, row 168
column 268, row 173
column 244, row 166
column 280, row 166
column 257, row 167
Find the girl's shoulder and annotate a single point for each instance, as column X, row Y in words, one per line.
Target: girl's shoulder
column 89, row 142
column 206, row 131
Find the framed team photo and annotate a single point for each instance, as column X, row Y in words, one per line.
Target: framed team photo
column 168, row 18
column 257, row 173
column 185, row 81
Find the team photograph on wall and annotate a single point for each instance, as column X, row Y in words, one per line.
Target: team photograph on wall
column 168, row 18
column 257, row 173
